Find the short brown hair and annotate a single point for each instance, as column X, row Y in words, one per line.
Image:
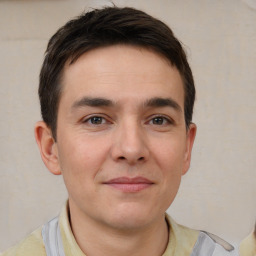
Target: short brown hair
column 104, row 27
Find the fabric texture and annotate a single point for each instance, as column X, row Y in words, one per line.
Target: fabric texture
column 182, row 240
column 248, row 245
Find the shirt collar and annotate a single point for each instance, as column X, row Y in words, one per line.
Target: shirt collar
column 181, row 239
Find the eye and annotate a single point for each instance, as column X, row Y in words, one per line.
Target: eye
column 95, row 120
column 159, row 120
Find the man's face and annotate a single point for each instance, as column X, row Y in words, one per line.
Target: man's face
column 122, row 144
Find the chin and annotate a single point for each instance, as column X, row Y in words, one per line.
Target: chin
column 129, row 224
column 132, row 217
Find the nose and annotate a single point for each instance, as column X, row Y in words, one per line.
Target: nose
column 130, row 143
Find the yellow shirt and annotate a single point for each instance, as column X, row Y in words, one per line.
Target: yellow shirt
column 181, row 240
column 248, row 245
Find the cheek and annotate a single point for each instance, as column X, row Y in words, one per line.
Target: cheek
column 170, row 158
column 80, row 160
column 172, row 165
column 170, row 155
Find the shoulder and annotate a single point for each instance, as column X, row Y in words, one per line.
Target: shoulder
column 32, row 245
column 190, row 242
column 248, row 245
column 209, row 244
column 181, row 239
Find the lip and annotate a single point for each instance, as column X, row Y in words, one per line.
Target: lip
column 129, row 185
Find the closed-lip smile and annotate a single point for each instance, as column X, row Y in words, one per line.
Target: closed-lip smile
column 129, row 185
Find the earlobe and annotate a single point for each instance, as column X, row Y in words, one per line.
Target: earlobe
column 191, row 134
column 47, row 146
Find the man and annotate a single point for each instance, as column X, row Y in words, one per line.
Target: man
column 117, row 96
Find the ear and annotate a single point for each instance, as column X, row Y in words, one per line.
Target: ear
column 191, row 134
column 48, row 147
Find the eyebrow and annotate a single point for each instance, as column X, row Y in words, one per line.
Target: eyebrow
column 163, row 102
column 92, row 102
column 102, row 102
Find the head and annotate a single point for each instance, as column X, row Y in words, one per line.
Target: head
column 117, row 97
column 101, row 28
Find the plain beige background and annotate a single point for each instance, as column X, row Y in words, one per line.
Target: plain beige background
column 219, row 192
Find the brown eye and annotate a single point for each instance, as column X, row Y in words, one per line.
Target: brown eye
column 95, row 120
column 158, row 120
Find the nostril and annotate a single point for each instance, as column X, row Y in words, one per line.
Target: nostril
column 124, row 158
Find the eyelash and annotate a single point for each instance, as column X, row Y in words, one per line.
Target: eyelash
column 89, row 120
column 103, row 120
column 164, row 119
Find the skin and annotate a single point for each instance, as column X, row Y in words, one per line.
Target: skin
column 122, row 148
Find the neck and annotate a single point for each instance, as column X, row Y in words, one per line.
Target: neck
column 98, row 239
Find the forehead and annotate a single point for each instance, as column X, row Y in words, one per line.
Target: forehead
column 119, row 71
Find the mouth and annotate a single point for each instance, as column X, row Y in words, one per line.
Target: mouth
column 129, row 185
